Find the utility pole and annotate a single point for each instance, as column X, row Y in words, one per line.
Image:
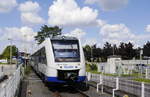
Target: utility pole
column 10, row 50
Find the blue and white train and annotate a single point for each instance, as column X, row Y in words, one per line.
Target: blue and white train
column 60, row 60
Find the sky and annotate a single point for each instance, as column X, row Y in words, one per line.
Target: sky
column 93, row 21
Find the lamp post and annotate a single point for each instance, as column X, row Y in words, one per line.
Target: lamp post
column 113, row 49
column 10, row 50
column 141, row 53
column 25, row 36
column 25, row 50
column 91, row 53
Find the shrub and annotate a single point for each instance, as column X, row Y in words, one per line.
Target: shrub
column 93, row 67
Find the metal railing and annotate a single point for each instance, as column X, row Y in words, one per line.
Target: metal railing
column 9, row 88
column 138, row 89
column 135, row 61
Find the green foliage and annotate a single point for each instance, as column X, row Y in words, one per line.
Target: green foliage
column 125, row 50
column 91, row 68
column 130, row 75
column 87, row 52
column 107, row 50
column 1, row 56
column 28, row 70
column 107, row 74
column 46, row 32
column 6, row 52
column 142, row 80
column 92, row 52
column 4, row 63
column 146, row 49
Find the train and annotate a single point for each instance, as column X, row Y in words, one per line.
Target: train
column 60, row 59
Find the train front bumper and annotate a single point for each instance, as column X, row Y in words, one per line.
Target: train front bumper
column 56, row 80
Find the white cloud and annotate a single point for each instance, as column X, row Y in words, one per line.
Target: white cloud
column 21, row 37
column 76, row 33
column 29, row 13
column 90, row 41
column 31, row 18
column 29, row 6
column 147, row 29
column 7, row 5
column 101, row 23
column 68, row 13
column 90, row 1
column 116, row 33
column 121, row 33
column 109, row 5
column 25, row 34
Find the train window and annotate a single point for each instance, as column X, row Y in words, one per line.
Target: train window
column 43, row 56
column 66, row 50
column 40, row 56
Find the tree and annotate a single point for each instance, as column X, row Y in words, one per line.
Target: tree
column 126, row 50
column 87, row 52
column 115, row 49
column 46, row 32
column 130, row 51
column 0, row 56
column 121, row 50
column 107, row 50
column 96, row 53
column 146, row 49
column 6, row 52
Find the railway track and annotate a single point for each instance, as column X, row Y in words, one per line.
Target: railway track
column 36, row 88
column 67, row 91
column 57, row 94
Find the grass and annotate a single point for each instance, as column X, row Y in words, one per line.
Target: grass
column 142, row 80
column 7, row 63
column 114, row 75
column 3, row 63
column 27, row 70
column 130, row 75
column 93, row 69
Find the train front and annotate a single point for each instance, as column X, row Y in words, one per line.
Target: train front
column 69, row 62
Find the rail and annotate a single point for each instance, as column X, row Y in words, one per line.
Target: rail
column 9, row 88
column 129, row 86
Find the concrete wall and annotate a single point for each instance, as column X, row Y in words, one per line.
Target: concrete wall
column 7, row 69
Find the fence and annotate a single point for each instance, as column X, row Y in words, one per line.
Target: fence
column 9, row 88
column 135, row 61
column 129, row 86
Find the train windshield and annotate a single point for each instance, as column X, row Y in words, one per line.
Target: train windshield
column 66, row 50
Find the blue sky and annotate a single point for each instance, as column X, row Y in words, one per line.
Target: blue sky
column 94, row 21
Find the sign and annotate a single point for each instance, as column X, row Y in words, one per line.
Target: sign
column 68, row 66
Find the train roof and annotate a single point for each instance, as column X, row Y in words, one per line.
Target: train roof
column 64, row 38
